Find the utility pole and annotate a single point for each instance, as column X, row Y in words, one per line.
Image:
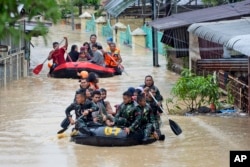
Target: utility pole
column 154, row 36
column 72, row 15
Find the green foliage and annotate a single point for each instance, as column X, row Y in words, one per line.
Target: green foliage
column 10, row 16
column 175, row 106
column 86, row 2
column 214, row 2
column 230, row 97
column 196, row 90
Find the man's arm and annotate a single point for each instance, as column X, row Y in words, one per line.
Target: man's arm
column 93, row 107
column 119, row 59
column 137, row 121
column 50, row 55
column 66, row 43
column 70, row 108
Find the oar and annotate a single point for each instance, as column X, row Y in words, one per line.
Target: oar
column 39, row 67
column 174, row 126
column 121, row 66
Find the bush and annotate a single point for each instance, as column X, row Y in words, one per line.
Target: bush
column 195, row 91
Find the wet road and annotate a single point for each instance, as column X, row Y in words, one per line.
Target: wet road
column 31, row 110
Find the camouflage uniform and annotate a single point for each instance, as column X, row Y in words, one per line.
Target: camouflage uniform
column 158, row 95
column 128, row 116
column 82, row 120
column 148, row 120
column 156, row 110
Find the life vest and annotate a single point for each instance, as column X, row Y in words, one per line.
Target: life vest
column 93, row 85
column 112, row 62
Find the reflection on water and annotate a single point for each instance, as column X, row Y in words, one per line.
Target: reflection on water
column 31, row 110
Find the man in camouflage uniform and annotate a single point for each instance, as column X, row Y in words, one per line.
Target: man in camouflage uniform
column 148, row 120
column 155, row 107
column 127, row 116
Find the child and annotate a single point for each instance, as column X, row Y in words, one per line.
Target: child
column 82, row 57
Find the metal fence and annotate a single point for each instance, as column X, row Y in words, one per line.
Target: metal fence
column 107, row 30
column 126, row 37
column 237, row 89
column 12, row 67
column 149, row 39
column 90, row 25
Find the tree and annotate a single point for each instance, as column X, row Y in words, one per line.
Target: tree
column 81, row 3
column 11, row 14
column 218, row 2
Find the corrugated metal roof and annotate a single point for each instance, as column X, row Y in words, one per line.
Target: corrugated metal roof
column 116, row 7
column 221, row 32
column 240, row 44
column 234, row 34
column 208, row 14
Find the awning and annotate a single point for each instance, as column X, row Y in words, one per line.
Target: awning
column 231, row 10
column 221, row 32
column 116, row 7
column 233, row 34
column 240, row 44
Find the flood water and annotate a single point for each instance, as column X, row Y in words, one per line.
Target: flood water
column 31, row 110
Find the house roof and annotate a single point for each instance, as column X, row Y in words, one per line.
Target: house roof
column 231, row 10
column 116, row 7
column 234, row 34
column 222, row 31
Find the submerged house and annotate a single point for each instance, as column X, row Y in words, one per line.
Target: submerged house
column 207, row 51
column 228, row 53
column 175, row 26
column 15, row 54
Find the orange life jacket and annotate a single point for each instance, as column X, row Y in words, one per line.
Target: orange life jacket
column 112, row 62
column 93, row 85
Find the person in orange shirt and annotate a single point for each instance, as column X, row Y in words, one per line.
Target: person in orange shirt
column 93, row 81
column 109, row 41
column 113, row 58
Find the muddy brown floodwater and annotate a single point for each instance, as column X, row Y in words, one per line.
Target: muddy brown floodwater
column 32, row 108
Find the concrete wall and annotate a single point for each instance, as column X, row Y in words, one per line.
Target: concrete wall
column 194, row 52
column 176, row 64
column 138, row 41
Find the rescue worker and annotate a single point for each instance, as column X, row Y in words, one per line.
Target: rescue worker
column 127, row 116
column 148, row 121
column 93, row 81
column 79, row 105
column 155, row 107
column 86, row 115
column 57, row 55
column 148, row 84
column 113, row 58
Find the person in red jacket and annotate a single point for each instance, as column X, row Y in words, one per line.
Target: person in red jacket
column 57, row 55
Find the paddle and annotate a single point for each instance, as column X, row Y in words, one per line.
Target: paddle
column 174, row 126
column 121, row 66
column 39, row 67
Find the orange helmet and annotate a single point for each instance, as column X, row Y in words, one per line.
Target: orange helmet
column 49, row 64
column 84, row 74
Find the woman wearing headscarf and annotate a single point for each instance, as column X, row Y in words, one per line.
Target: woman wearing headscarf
column 73, row 55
